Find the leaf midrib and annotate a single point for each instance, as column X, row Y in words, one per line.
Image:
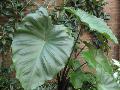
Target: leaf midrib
column 34, row 64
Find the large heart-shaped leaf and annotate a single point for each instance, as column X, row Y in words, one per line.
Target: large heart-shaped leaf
column 94, row 23
column 40, row 49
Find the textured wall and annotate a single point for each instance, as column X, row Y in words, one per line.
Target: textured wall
column 113, row 9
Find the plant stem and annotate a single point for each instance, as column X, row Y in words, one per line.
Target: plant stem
column 64, row 80
column 26, row 5
column 79, row 52
column 80, row 66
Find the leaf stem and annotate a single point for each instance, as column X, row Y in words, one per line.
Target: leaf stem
column 66, row 69
column 26, row 5
column 79, row 52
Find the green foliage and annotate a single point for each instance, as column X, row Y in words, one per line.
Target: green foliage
column 83, row 81
column 9, row 84
column 106, row 81
column 48, row 86
column 103, row 69
column 96, row 58
column 74, row 64
column 76, row 79
column 94, row 7
column 11, row 12
column 116, row 70
column 94, row 23
column 45, row 61
column 103, row 79
column 40, row 49
column 42, row 46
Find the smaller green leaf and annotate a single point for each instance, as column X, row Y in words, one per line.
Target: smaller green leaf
column 79, row 78
column 94, row 23
column 75, row 79
column 96, row 58
column 89, row 55
column 106, row 81
column 74, row 64
column 103, row 61
column 100, row 62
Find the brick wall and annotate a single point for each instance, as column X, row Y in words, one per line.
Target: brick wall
column 113, row 9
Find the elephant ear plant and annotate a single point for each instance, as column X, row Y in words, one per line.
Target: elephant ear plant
column 41, row 50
